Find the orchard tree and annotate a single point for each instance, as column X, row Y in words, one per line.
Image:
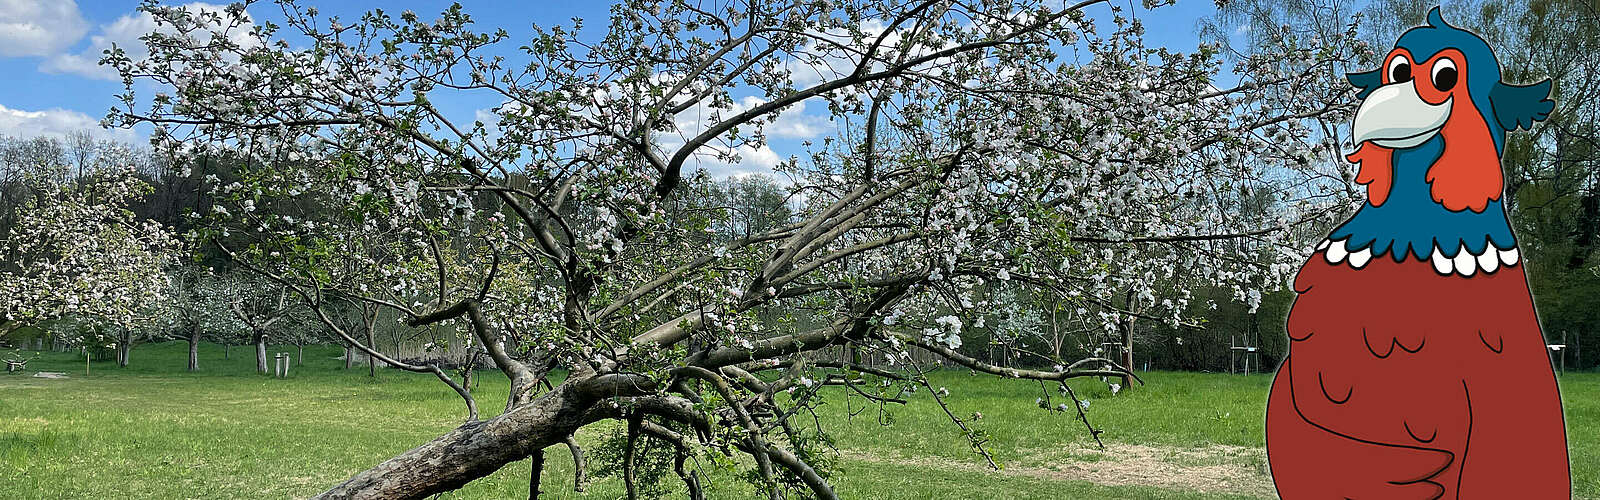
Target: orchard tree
column 75, row 251
column 1027, row 145
column 357, row 319
column 301, row 334
column 199, row 303
column 262, row 306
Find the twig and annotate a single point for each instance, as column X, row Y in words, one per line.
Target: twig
column 1078, row 405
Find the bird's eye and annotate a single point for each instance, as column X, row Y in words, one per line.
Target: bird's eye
column 1444, row 74
column 1399, row 69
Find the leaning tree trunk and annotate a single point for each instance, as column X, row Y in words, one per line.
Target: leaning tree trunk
column 261, row 353
column 194, row 349
column 473, row 450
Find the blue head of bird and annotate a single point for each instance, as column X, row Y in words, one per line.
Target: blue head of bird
column 1442, row 83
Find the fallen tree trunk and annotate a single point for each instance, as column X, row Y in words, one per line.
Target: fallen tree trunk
column 479, row 448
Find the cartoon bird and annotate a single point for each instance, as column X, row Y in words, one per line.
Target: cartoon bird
column 1416, row 366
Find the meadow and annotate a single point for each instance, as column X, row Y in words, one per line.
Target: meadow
column 153, row 430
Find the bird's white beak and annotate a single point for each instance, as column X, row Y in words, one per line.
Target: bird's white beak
column 1395, row 117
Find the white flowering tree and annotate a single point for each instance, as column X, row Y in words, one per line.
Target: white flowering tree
column 1018, row 144
column 75, row 252
column 200, row 304
column 263, row 307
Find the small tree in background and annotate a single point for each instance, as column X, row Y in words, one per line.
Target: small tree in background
column 199, row 308
column 263, row 307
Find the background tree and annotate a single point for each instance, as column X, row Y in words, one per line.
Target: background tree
column 199, row 307
column 264, row 307
column 74, row 250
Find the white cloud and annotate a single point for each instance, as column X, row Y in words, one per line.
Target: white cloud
column 827, row 63
column 488, row 116
column 125, row 32
column 714, row 157
column 55, row 122
column 752, row 160
column 39, row 27
column 791, row 123
column 817, row 62
column 795, row 123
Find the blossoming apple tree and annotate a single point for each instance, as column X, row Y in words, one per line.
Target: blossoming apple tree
column 76, row 252
column 1014, row 146
column 200, row 304
column 261, row 306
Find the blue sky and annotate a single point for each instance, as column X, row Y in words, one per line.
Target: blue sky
column 51, row 84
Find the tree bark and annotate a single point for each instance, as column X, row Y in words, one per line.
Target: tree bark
column 537, row 465
column 369, row 320
column 1055, row 332
column 473, row 450
column 261, row 353
column 628, row 451
column 124, row 348
column 349, row 356
column 578, row 465
column 194, row 349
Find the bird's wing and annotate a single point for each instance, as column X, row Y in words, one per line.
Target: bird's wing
column 1518, row 106
column 1368, row 346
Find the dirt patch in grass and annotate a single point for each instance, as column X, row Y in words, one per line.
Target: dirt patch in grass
column 1213, row 469
column 22, row 422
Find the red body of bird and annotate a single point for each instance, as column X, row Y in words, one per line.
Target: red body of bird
column 1424, row 386
column 1416, row 365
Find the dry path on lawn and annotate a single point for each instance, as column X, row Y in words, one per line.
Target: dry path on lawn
column 1212, row 469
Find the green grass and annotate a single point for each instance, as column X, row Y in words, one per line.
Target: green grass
column 155, row 431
